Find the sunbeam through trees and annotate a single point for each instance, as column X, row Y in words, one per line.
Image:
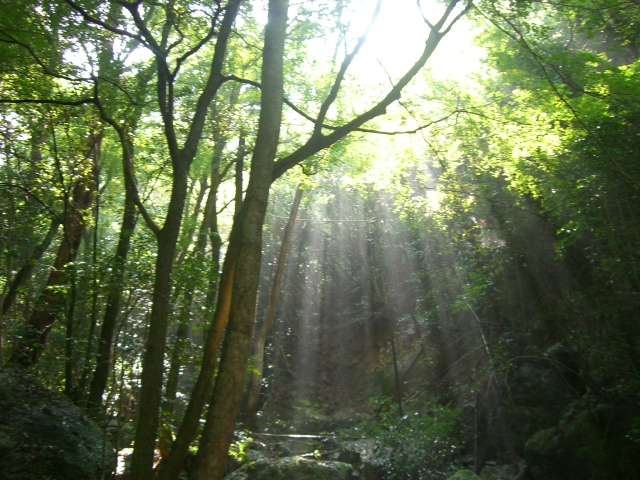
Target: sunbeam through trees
column 266, row 239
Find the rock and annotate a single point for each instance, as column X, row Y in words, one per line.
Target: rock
column 464, row 475
column 348, row 419
column 588, row 443
column 294, row 447
column 499, row 472
column 374, row 460
column 43, row 435
column 293, row 468
column 541, row 452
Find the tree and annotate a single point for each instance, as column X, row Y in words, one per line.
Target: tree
column 160, row 30
column 257, row 365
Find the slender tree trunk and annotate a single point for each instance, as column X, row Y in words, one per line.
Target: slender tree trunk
column 8, row 246
column 167, row 236
column 210, row 462
column 27, row 269
column 187, row 237
column 100, row 376
column 153, row 359
column 170, row 468
column 86, row 368
column 199, row 395
column 239, row 173
column 30, row 345
column 69, row 343
column 209, row 219
column 103, row 355
column 255, row 382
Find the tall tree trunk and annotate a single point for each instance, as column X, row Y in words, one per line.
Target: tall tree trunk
column 114, row 294
column 210, row 462
column 255, row 382
column 239, row 173
column 167, row 236
column 69, row 341
column 8, row 246
column 153, row 358
column 100, row 376
column 86, row 368
column 209, row 219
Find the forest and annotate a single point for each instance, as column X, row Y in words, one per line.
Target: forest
column 319, row 239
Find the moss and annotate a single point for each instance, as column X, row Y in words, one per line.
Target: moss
column 293, row 468
column 464, row 475
column 44, row 436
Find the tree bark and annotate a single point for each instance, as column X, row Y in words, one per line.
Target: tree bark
column 209, row 220
column 255, row 382
column 210, row 462
column 167, row 236
column 103, row 357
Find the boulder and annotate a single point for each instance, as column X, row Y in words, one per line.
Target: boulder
column 464, row 475
column 293, row 468
column 499, row 472
column 43, row 435
column 588, row 443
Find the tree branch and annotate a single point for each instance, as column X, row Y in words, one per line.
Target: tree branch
column 96, row 21
column 319, row 142
column 199, row 45
column 41, row 64
column 127, row 165
column 333, row 94
column 83, row 101
column 360, row 129
column 215, row 80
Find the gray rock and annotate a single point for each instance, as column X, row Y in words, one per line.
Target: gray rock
column 499, row 472
column 43, row 435
column 293, row 468
column 464, row 475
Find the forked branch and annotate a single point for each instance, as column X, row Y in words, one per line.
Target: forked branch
column 319, row 142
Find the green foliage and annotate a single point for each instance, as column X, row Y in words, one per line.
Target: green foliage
column 422, row 444
column 241, row 440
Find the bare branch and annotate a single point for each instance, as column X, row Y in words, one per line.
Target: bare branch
column 199, row 45
column 96, row 21
column 333, row 94
column 127, row 165
column 146, row 38
column 426, row 20
column 458, row 17
column 360, row 129
column 214, row 81
column 41, row 64
column 319, row 142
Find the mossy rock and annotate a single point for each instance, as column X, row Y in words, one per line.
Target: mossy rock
column 464, row 475
column 44, row 436
column 499, row 472
column 591, row 443
column 293, row 468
